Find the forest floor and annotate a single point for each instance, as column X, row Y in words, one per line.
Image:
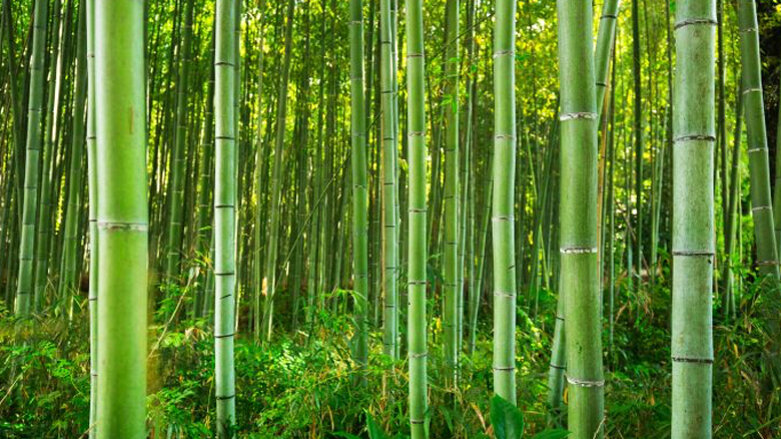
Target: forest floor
column 303, row 383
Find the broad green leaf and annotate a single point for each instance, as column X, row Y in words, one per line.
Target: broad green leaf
column 375, row 431
column 506, row 419
column 552, row 434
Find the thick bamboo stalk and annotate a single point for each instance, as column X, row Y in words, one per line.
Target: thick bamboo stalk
column 360, row 185
column 225, row 61
column 579, row 277
column 390, row 229
column 694, row 137
column 503, row 201
column 761, row 209
column 451, row 198
column 92, row 177
column 605, row 42
column 122, row 218
column 416, row 159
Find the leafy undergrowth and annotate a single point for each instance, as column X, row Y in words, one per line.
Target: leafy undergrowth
column 303, row 384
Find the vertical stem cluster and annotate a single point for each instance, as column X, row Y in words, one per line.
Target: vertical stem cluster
column 69, row 266
column 416, row 132
column 178, row 158
column 638, row 138
column 694, row 137
column 390, row 229
column 503, row 201
column 452, row 231
column 360, row 193
column 605, row 38
column 122, row 218
column 92, row 177
column 225, row 62
column 32, row 160
column 579, row 281
column 761, row 209
column 756, row 131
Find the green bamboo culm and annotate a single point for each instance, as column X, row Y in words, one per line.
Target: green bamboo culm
column 416, row 159
column 452, row 260
column 604, row 49
column 761, row 207
column 759, row 170
column 757, row 140
column 32, row 160
column 270, row 277
column 503, row 201
column 390, row 229
column 693, row 247
column 178, row 160
column 605, row 41
column 579, row 275
column 224, row 216
column 92, row 180
column 72, row 220
column 359, row 181
column 122, row 218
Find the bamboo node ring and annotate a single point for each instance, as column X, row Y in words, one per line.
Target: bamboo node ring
column 692, row 360
column 578, row 250
column 588, row 115
column 499, row 53
column 690, row 21
column 504, row 294
column 585, row 383
column 128, row 226
column 695, row 137
column 708, row 253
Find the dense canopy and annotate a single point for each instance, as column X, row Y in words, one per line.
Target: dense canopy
column 380, row 218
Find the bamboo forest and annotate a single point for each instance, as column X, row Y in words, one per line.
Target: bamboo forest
column 390, row 219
